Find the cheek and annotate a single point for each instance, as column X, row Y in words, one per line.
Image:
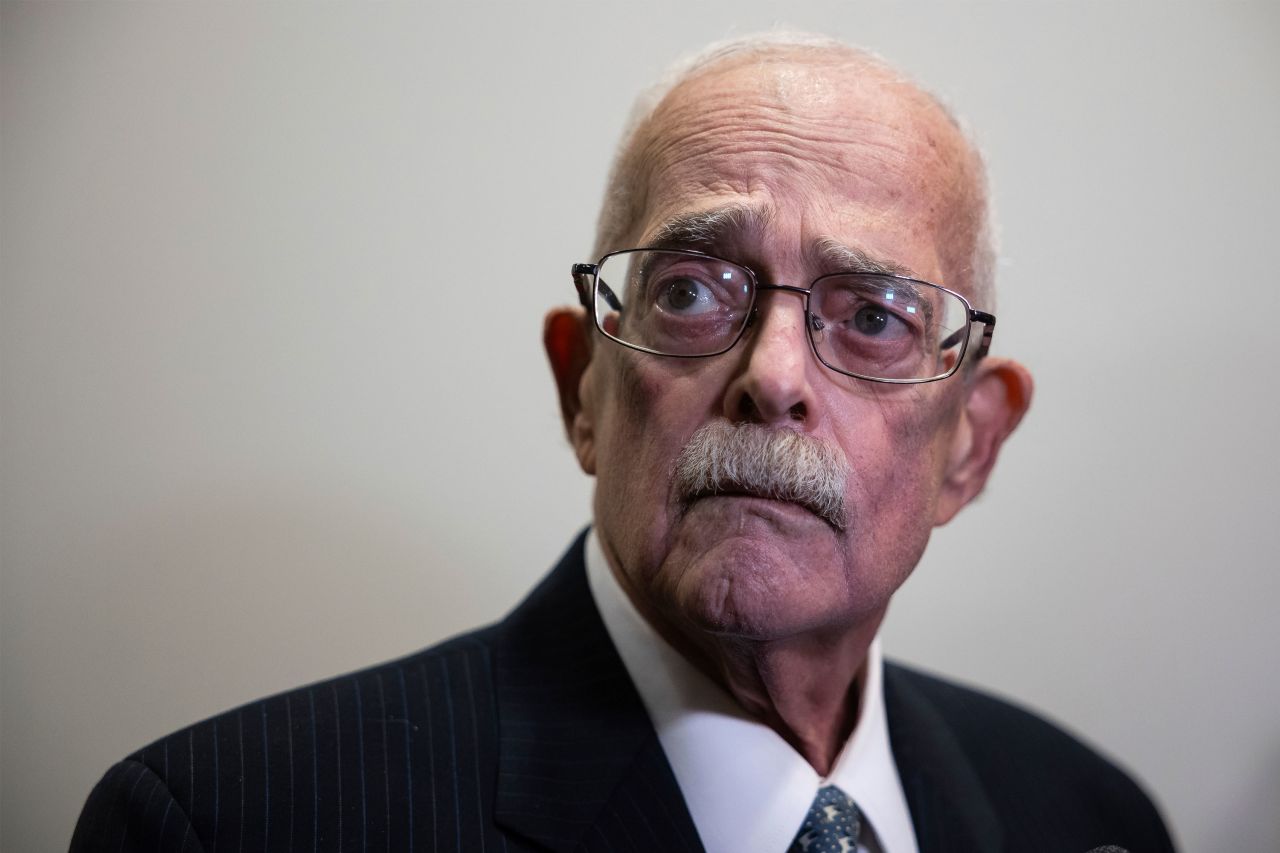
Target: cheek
column 646, row 411
column 898, row 459
column 650, row 406
column 629, row 413
column 638, row 436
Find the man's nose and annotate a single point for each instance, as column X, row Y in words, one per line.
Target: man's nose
column 773, row 384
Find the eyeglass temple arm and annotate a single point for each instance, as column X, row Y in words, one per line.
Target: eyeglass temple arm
column 582, row 275
column 988, row 322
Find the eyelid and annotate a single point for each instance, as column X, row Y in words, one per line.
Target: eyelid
column 894, row 284
column 701, row 272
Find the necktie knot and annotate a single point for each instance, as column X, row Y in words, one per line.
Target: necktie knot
column 831, row 826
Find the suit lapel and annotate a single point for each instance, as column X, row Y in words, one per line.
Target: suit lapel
column 579, row 764
column 580, row 767
column 949, row 806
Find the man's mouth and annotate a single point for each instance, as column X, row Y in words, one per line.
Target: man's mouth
column 737, row 491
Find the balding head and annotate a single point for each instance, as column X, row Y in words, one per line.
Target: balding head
column 799, row 73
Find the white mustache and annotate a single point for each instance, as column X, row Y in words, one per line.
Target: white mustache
column 781, row 464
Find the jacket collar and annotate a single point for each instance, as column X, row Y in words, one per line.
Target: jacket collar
column 950, row 809
column 579, row 764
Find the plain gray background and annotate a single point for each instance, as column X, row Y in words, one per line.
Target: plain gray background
column 275, row 407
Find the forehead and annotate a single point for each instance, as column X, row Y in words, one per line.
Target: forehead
column 833, row 150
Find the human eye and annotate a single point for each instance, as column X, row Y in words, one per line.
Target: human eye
column 685, row 295
column 876, row 321
column 688, row 287
column 866, row 312
column 871, row 325
column 683, row 303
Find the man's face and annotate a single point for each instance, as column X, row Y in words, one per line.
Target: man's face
column 813, row 157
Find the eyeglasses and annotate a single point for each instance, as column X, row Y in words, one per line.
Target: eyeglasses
column 686, row 304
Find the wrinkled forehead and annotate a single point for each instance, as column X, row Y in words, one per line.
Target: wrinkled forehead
column 827, row 137
column 829, row 104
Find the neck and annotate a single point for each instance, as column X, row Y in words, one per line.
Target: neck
column 805, row 687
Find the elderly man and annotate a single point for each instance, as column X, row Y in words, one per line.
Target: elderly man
column 779, row 378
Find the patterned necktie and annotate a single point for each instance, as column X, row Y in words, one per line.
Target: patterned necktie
column 831, row 826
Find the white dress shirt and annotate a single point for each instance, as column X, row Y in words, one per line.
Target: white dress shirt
column 747, row 789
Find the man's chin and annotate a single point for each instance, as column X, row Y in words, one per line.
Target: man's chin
column 745, row 579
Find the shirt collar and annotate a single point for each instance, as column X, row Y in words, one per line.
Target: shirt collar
column 746, row 788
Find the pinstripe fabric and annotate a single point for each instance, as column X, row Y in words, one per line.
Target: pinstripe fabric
column 600, row 768
column 529, row 735
column 405, row 756
column 981, row 774
column 392, row 758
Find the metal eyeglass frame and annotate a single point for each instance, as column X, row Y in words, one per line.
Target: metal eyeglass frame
column 582, row 273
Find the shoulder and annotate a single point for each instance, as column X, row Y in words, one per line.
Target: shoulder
column 992, row 729
column 403, row 747
column 309, row 753
column 453, row 676
column 455, row 670
column 1033, row 771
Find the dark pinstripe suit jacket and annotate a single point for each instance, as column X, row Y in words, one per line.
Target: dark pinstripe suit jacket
column 528, row 735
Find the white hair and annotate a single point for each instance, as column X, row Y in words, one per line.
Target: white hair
column 620, row 211
column 724, row 458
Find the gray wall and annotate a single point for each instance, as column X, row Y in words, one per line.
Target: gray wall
column 274, row 404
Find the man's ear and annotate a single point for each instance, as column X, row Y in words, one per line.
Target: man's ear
column 566, row 335
column 999, row 394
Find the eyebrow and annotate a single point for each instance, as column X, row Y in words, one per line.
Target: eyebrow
column 711, row 230
column 841, row 258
